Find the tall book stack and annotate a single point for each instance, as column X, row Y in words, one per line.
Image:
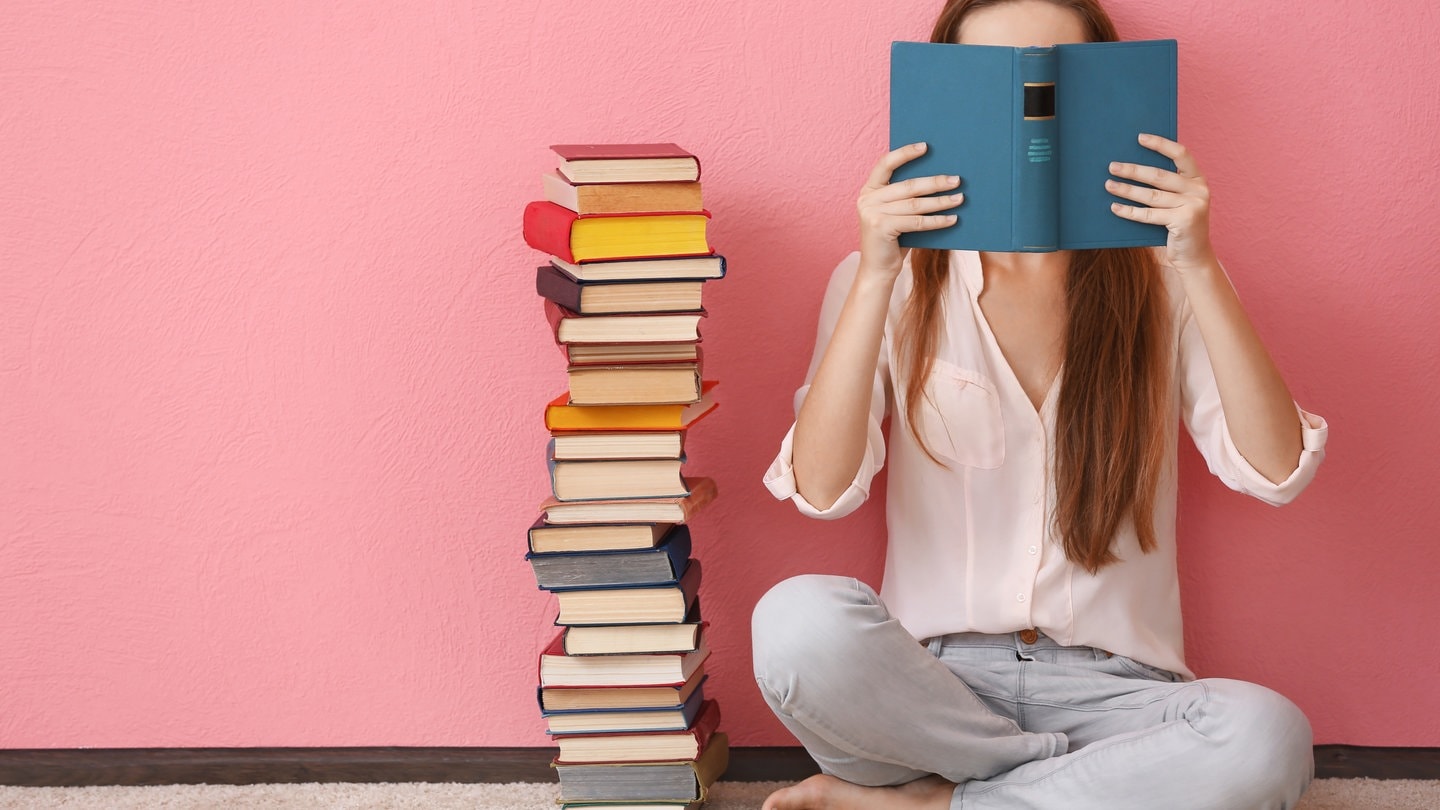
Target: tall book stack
column 622, row 684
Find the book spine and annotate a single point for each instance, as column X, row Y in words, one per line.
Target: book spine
column 677, row 547
column 1036, row 200
column 553, row 285
column 546, row 227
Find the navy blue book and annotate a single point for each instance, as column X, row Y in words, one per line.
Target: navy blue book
column 624, row 721
column 630, row 604
column 662, row 565
column 1031, row 133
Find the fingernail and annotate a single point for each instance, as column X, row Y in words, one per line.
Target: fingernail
column 952, row 179
column 1114, row 167
column 919, row 147
column 955, row 198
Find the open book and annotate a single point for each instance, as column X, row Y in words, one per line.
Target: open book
column 1031, row 133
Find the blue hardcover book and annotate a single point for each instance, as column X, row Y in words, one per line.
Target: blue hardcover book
column 568, row 570
column 630, row 604
column 625, row 721
column 1031, row 133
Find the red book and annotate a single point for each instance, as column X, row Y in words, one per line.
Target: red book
column 626, row 163
column 655, row 746
column 576, row 237
column 608, row 670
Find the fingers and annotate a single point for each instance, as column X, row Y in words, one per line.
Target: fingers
column 1152, row 176
column 890, row 161
column 890, row 226
column 914, row 187
column 1153, row 216
column 927, row 223
column 920, row 205
column 1153, row 197
column 1184, row 161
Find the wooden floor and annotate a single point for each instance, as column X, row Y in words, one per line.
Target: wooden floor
column 246, row 766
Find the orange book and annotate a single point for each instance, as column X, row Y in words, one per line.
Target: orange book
column 560, row 415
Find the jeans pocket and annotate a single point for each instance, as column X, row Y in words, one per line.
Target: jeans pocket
column 1146, row 671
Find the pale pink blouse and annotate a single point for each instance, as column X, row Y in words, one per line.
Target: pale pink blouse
column 972, row 548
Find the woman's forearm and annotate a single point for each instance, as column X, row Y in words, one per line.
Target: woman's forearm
column 1259, row 409
column 833, row 424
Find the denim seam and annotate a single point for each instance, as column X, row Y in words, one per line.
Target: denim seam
column 1020, row 694
column 1095, row 748
column 1076, row 757
column 832, row 735
column 1077, row 706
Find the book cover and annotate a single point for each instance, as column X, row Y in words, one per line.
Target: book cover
column 587, row 237
column 637, row 638
column 619, row 721
column 663, row 565
column 635, row 384
column 630, row 605
column 549, row 538
column 592, row 162
column 640, row 669
column 652, row 747
column 1031, row 133
column 575, row 446
column 569, row 326
column 592, row 785
column 617, row 479
column 600, row 354
column 616, row 297
column 654, row 510
column 672, row 268
column 646, row 697
column 622, row 198
column 561, row 416
column 632, row 804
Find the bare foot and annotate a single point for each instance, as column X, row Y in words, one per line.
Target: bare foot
column 825, row 792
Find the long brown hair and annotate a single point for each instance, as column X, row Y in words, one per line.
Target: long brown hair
column 1114, row 393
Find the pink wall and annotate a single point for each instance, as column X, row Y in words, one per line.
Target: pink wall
column 271, row 364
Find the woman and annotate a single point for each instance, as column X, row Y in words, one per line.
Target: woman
column 1034, row 401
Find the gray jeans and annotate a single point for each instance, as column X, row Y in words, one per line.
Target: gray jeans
column 1015, row 724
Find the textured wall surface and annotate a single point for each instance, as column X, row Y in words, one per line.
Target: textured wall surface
column 272, row 366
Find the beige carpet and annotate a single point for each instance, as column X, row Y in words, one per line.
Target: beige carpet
column 1326, row 794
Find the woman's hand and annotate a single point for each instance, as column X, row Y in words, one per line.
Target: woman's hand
column 1180, row 200
column 890, row 209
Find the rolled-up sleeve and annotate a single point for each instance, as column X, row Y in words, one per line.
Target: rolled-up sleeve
column 780, row 476
column 1205, row 419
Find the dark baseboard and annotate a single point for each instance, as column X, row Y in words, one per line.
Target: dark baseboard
column 246, row 766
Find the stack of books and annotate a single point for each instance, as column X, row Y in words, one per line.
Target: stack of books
column 622, row 684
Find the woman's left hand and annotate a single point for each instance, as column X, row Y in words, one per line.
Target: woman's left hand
column 1179, row 200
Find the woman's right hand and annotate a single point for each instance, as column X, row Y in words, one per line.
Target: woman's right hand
column 890, row 209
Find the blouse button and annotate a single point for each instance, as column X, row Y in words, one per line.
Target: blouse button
column 1019, row 597
column 1033, row 550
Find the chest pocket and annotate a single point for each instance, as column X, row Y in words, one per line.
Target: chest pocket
column 960, row 420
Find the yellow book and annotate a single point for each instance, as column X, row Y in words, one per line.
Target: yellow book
column 560, row 415
column 561, row 232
